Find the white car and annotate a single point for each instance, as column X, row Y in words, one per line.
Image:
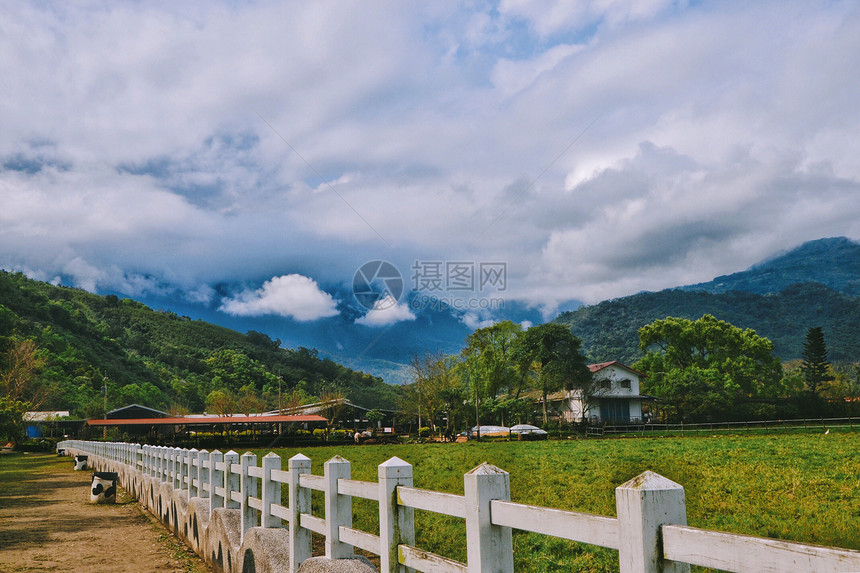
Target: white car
column 528, row 430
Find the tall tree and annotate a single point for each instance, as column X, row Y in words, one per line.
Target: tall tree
column 221, row 402
column 551, row 353
column 815, row 367
column 20, row 366
column 488, row 363
column 437, row 388
column 20, row 387
column 705, row 367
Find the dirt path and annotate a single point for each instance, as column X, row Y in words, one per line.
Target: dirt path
column 46, row 524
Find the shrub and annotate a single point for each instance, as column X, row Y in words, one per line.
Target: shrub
column 337, row 435
column 38, row 445
column 424, row 432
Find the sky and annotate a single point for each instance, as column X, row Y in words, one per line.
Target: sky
column 253, row 156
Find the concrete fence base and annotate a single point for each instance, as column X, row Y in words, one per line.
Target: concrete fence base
column 216, row 535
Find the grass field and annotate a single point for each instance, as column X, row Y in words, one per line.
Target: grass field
column 796, row 487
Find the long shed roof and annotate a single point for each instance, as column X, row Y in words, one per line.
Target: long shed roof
column 206, row 421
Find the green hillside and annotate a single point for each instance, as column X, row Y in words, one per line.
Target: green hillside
column 833, row 262
column 815, row 284
column 609, row 330
column 157, row 358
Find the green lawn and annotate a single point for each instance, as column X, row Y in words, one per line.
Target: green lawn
column 796, row 487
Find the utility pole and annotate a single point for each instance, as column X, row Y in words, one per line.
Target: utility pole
column 104, row 392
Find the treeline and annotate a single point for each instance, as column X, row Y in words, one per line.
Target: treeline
column 709, row 370
column 609, row 330
column 502, row 376
column 698, row 370
column 87, row 352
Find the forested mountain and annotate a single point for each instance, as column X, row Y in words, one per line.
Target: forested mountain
column 158, row 359
column 776, row 298
column 833, row 262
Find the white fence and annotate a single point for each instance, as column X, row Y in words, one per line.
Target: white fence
column 650, row 532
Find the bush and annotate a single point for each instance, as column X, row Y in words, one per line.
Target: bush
column 424, row 432
column 319, row 434
column 337, row 435
column 39, row 445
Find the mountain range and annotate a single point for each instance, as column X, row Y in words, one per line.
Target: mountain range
column 96, row 352
column 816, row 284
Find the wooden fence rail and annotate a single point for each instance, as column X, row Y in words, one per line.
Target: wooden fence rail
column 650, row 532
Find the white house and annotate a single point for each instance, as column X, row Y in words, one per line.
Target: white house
column 615, row 397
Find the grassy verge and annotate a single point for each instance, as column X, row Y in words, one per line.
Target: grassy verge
column 795, row 487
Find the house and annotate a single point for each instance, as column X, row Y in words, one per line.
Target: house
column 613, row 399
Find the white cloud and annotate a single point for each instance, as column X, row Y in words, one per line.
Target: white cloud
column 133, row 158
column 511, row 76
column 475, row 320
column 294, row 296
column 386, row 311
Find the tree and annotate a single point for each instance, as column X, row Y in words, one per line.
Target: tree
column 375, row 416
column 437, row 388
column 248, row 401
column 706, row 366
column 20, row 390
column 221, row 402
column 845, row 389
column 550, row 353
column 815, row 367
column 20, row 366
column 233, row 370
column 488, row 364
column 333, row 403
column 11, row 414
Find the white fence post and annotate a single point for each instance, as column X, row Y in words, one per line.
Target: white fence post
column 300, row 502
column 171, row 466
column 231, row 480
column 205, row 483
column 216, row 480
column 644, row 504
column 193, row 472
column 488, row 547
column 396, row 522
column 248, row 486
column 338, row 509
column 162, row 463
column 184, row 468
column 271, row 491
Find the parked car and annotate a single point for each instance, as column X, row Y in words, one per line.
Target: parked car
column 528, row 432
